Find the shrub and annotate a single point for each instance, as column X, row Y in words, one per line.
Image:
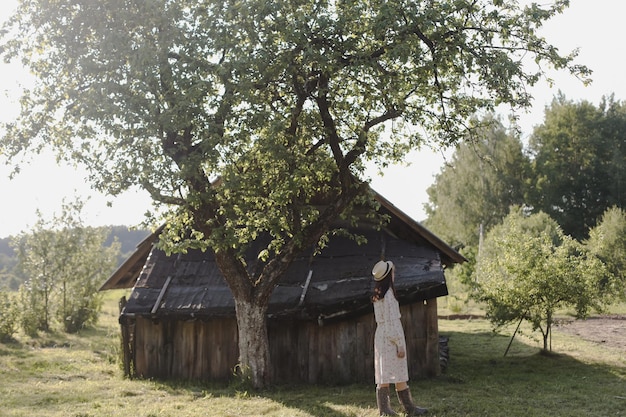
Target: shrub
column 9, row 315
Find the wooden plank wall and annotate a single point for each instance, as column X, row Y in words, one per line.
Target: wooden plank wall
column 343, row 352
column 422, row 338
column 196, row 350
column 335, row 353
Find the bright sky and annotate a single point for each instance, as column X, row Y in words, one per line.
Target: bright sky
column 597, row 28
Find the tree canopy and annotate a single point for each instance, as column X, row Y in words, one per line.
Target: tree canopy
column 528, row 268
column 487, row 174
column 579, row 162
column 65, row 263
column 235, row 115
column 607, row 240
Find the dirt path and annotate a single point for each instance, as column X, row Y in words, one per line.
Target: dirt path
column 606, row 330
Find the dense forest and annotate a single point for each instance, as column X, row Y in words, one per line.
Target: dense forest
column 11, row 278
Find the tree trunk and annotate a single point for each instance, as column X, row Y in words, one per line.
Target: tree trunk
column 545, row 341
column 252, row 293
column 546, row 334
column 251, row 304
column 254, row 353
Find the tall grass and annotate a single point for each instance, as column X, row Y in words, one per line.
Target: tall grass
column 80, row 375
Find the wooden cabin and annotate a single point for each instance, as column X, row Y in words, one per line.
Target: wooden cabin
column 179, row 320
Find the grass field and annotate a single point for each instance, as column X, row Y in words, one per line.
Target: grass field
column 80, row 375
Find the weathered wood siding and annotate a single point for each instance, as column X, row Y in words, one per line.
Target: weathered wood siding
column 198, row 350
column 340, row 352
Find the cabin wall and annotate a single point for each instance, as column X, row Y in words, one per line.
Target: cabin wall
column 339, row 352
column 421, row 330
column 172, row 349
column 343, row 352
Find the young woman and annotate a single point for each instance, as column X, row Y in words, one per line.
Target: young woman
column 390, row 365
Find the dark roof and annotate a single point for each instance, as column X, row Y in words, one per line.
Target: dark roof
column 404, row 226
column 127, row 273
column 400, row 225
column 332, row 284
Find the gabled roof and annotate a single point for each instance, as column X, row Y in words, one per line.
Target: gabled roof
column 400, row 220
column 127, row 273
column 336, row 282
column 400, row 225
column 333, row 284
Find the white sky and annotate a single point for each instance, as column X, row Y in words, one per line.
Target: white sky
column 596, row 27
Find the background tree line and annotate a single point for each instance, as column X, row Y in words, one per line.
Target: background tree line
column 542, row 222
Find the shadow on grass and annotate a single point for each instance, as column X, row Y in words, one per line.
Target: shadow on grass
column 320, row 400
column 479, row 381
column 314, row 400
column 13, row 348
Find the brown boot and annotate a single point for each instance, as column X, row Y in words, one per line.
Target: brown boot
column 407, row 402
column 384, row 403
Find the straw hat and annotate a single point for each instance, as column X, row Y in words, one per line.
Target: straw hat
column 381, row 269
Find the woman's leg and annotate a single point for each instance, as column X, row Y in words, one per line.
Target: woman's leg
column 404, row 396
column 383, row 400
column 401, row 386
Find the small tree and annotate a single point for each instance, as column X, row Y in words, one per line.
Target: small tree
column 65, row 262
column 8, row 316
column 88, row 263
column 528, row 269
column 35, row 253
column 608, row 242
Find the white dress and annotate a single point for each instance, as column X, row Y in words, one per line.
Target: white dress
column 388, row 367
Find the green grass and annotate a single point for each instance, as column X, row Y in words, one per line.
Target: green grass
column 80, row 375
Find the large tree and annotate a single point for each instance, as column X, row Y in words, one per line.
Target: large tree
column 282, row 101
column 486, row 175
column 579, row 162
